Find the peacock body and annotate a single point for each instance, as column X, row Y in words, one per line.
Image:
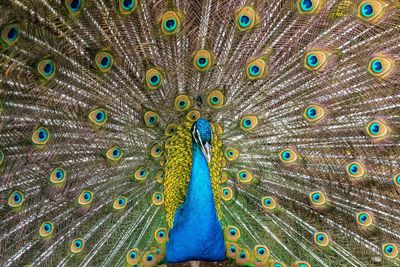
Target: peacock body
column 260, row 133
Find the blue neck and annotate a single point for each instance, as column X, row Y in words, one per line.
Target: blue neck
column 197, row 232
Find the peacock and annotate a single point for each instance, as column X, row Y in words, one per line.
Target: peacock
column 243, row 133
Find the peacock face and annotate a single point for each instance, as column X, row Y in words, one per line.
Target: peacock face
column 202, row 136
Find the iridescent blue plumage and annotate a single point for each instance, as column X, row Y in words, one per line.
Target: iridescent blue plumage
column 197, row 232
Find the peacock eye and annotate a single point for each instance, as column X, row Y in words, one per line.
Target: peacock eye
column 269, row 203
column 203, row 60
column 74, row 6
column 380, row 67
column 140, row 174
column 321, row 239
column 40, row 136
column 120, row 203
column 104, row 61
column 314, row 113
column 246, row 18
column 132, row 256
column 10, row 34
column 244, row 176
column 376, row 129
column 261, row 252
column 215, row 99
column 308, row 6
column 288, row 155
column 153, row 79
column 182, row 103
column 193, row 115
column 370, row 11
column 156, row 151
column 58, row 177
column 126, row 7
column 158, row 198
column 256, row 69
column 114, row 154
column 16, row 199
column 161, row 235
column 170, row 22
column 98, row 117
column 46, row 69
column 46, row 229
column 170, row 129
column 248, row 123
column 390, row 250
column 231, row 153
column 77, row 245
column 232, row 233
column 355, row 170
column 315, row 60
column 317, row 199
column 85, row 198
column 227, row 193
column 364, row 219
column 151, row 119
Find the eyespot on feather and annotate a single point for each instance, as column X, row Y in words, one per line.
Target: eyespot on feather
column 77, row 245
column 390, row 250
column 226, row 193
column 288, row 155
column 74, row 7
column 215, row 99
column 256, row 69
column 133, row 256
column 85, row 198
column 380, row 67
column 314, row 113
column 151, row 119
column 16, row 199
column 309, row 7
column 231, row 233
column 153, row 79
column 171, row 22
column 315, row 60
column 248, row 123
column 246, row 18
column 114, row 154
column 231, row 153
column 58, row 176
column 355, row 169
column 244, row 176
column 40, row 136
column 98, row 117
column 120, row 203
column 10, row 34
column 46, row 68
column 365, row 219
column 321, row 239
column 317, row 199
column 104, row 61
column 158, row 198
column 46, row 229
column 269, row 203
column 161, row 235
column 370, row 11
column 203, row 60
column 141, row 173
column 127, row 7
column 182, row 103
column 193, row 115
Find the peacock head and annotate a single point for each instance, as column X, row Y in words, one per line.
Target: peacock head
column 202, row 137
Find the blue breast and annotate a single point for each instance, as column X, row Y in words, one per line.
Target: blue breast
column 197, row 232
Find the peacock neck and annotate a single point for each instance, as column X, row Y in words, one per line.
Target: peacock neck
column 197, row 232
